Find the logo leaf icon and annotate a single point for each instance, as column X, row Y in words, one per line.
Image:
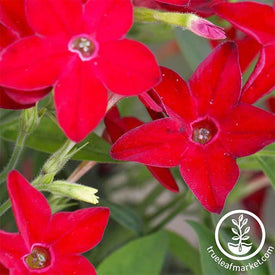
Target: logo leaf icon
column 240, row 218
column 235, row 231
column 235, row 222
column 244, row 222
column 246, row 230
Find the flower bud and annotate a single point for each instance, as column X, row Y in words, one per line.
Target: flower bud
column 72, row 190
column 205, row 28
column 58, row 160
column 29, row 120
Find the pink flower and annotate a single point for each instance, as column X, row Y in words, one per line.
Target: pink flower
column 207, row 128
column 13, row 25
column 48, row 244
column 80, row 49
column 258, row 21
column 117, row 126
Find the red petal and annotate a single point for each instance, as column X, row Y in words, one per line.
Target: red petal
column 6, row 37
column 31, row 209
column 80, row 99
column 127, row 67
column 175, row 95
column 7, row 103
column 72, row 265
column 12, row 248
column 248, row 49
column 160, row 143
column 210, row 173
column 109, row 19
column 27, row 97
column 255, row 19
column 117, row 126
column 32, row 63
column 247, row 129
column 58, row 17
column 174, row 2
column 262, row 80
column 165, row 178
column 216, row 83
column 12, row 15
column 3, row 270
column 78, row 231
column 151, row 101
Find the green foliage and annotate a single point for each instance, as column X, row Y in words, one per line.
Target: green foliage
column 185, row 252
column 141, row 256
column 207, row 239
column 268, row 164
column 49, row 138
column 124, row 216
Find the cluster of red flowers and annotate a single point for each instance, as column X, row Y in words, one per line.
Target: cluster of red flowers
column 78, row 49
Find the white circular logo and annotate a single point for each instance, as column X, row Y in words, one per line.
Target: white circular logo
column 240, row 246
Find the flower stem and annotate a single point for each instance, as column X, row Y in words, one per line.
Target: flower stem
column 179, row 208
column 5, row 207
column 15, row 155
column 81, row 170
column 149, row 199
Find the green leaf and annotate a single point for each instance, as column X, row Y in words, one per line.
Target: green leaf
column 194, row 49
column 207, row 239
column 124, row 216
column 267, row 164
column 48, row 138
column 143, row 256
column 185, row 252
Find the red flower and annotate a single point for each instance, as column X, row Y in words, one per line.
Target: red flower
column 48, row 244
column 117, row 126
column 207, row 128
column 79, row 49
column 258, row 21
column 13, row 25
column 248, row 47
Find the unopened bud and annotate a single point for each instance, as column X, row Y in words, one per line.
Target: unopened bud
column 73, row 190
column 29, row 120
column 58, row 160
column 205, row 28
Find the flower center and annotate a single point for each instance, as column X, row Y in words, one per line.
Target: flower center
column 204, row 131
column 84, row 46
column 39, row 258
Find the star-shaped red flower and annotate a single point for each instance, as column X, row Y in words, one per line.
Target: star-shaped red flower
column 258, row 21
column 48, row 244
column 207, row 128
column 80, row 49
column 13, row 25
column 116, row 126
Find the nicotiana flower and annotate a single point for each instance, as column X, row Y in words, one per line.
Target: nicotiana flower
column 13, row 25
column 116, row 126
column 207, row 128
column 48, row 244
column 248, row 47
column 80, row 49
column 258, row 21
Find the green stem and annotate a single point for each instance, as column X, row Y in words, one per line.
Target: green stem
column 15, row 156
column 151, row 197
column 5, row 207
column 179, row 208
column 167, row 206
